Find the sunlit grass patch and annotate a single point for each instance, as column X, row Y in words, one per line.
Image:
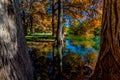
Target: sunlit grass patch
column 39, row 37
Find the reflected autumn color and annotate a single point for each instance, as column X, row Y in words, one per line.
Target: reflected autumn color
column 62, row 62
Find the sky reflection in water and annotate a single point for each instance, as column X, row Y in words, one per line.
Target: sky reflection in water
column 47, row 66
column 70, row 47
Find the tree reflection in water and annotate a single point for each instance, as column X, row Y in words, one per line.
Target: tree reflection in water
column 56, row 62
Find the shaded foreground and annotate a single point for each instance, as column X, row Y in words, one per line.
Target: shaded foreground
column 62, row 62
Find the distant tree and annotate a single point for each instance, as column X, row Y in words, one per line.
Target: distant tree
column 24, row 17
column 53, row 18
column 37, row 15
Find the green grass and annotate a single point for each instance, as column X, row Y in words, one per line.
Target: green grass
column 79, row 40
column 76, row 37
column 40, row 37
column 43, row 33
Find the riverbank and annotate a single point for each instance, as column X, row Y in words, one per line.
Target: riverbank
column 81, row 40
column 77, row 62
column 39, row 38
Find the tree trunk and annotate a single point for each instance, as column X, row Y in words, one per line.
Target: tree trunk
column 24, row 23
column 14, row 59
column 60, row 22
column 53, row 14
column 108, row 64
column 31, row 25
column 31, row 18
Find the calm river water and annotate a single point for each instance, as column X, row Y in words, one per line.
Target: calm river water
column 62, row 62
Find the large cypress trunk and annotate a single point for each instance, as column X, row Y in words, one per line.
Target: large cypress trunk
column 108, row 64
column 14, row 59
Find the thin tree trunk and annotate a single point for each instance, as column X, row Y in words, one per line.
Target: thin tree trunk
column 31, row 25
column 24, row 23
column 14, row 59
column 60, row 22
column 31, row 18
column 53, row 14
column 24, row 17
column 108, row 64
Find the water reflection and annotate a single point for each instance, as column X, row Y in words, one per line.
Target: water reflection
column 78, row 48
column 57, row 61
column 62, row 62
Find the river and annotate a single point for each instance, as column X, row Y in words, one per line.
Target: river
column 62, row 62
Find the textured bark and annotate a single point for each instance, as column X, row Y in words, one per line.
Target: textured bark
column 108, row 64
column 60, row 22
column 14, row 59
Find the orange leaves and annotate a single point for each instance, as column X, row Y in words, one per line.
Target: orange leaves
column 78, row 7
column 38, row 8
column 76, row 1
column 86, row 2
column 78, row 16
column 38, row 12
column 44, row 22
column 96, row 23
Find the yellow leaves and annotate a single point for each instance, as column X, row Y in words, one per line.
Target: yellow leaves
column 88, row 35
column 94, row 56
column 76, row 1
column 91, row 58
column 44, row 21
column 77, row 7
column 38, row 7
column 96, row 22
column 99, row 9
column 78, row 16
column 66, row 29
column 40, row 16
column 87, row 2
